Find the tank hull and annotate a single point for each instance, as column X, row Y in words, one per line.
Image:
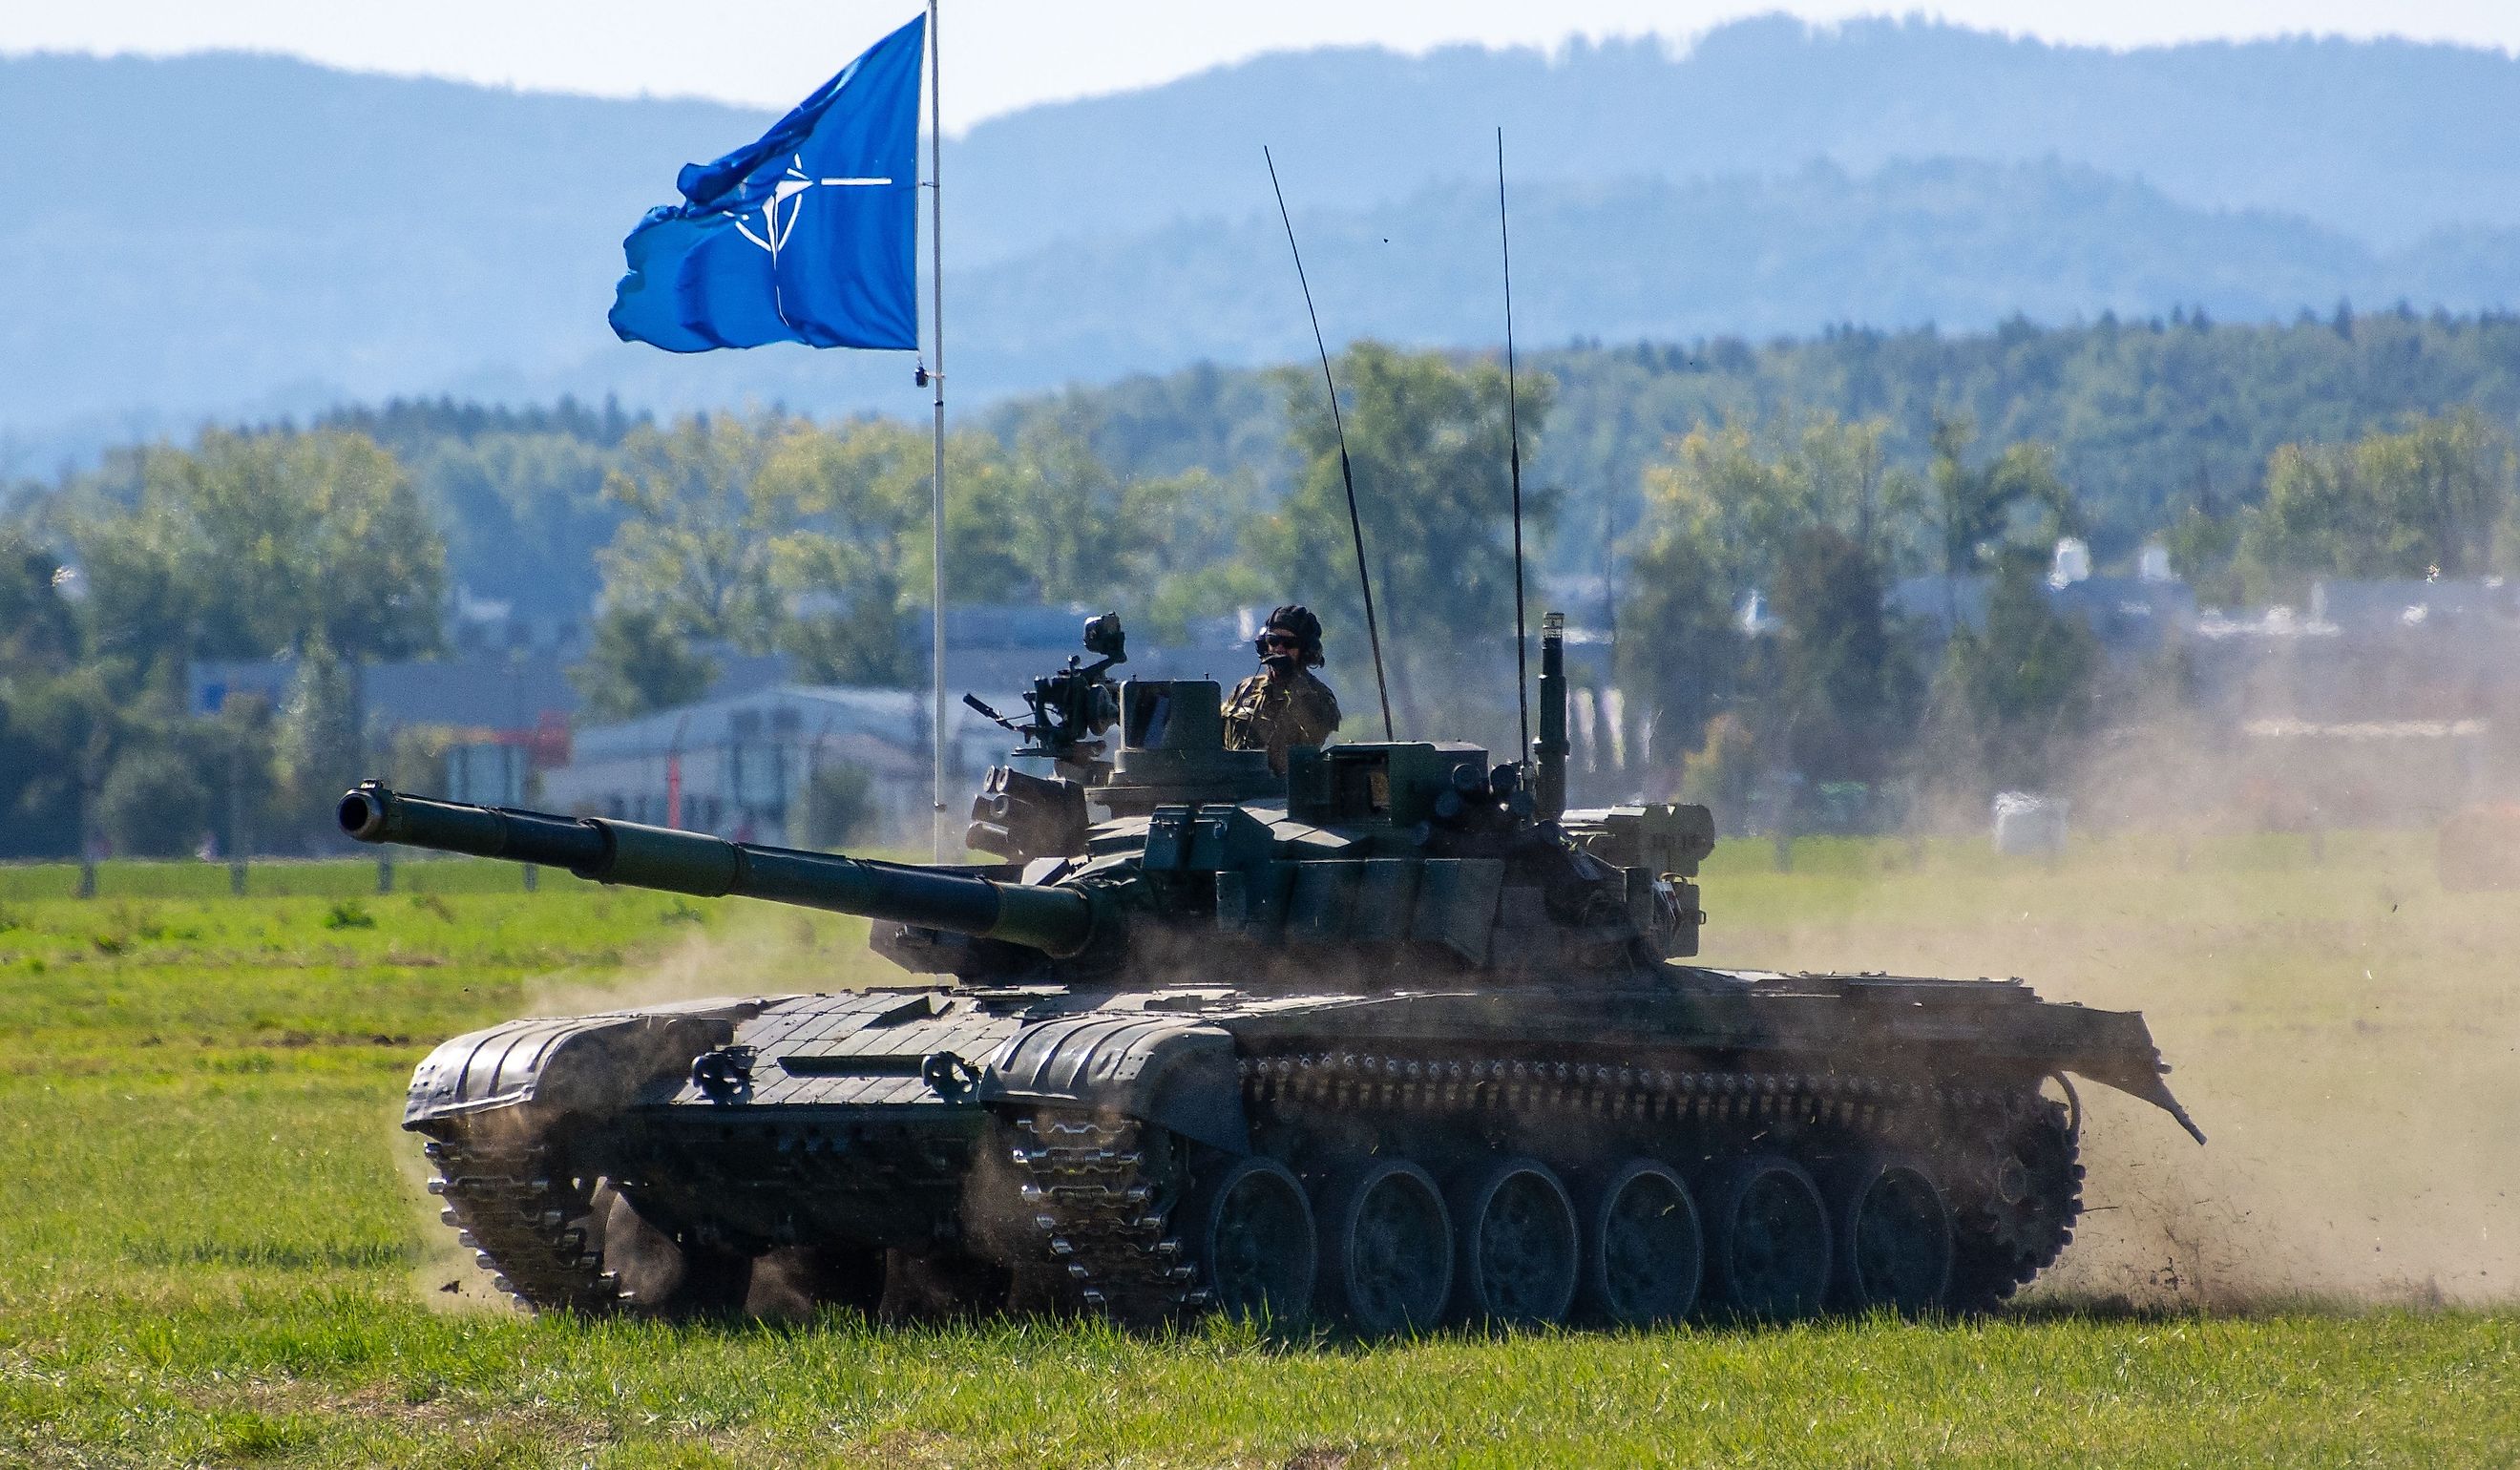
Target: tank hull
column 1061, row 1147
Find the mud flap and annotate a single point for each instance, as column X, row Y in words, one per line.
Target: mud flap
column 1173, row 1072
column 2145, row 1084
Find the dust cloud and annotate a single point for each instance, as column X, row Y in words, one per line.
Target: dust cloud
column 445, row 1278
column 2343, row 1030
column 744, row 949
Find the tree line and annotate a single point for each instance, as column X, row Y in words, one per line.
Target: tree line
column 310, row 546
column 1755, row 634
column 1758, row 636
column 2147, row 418
column 754, row 532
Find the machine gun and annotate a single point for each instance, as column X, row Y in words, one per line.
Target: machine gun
column 1018, row 815
column 1072, row 706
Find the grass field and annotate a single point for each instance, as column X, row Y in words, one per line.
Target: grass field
column 266, row 877
column 214, row 1248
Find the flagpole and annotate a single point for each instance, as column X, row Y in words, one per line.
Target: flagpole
column 936, row 315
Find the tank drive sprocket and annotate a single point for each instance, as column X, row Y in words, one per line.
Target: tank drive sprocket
column 2022, row 1219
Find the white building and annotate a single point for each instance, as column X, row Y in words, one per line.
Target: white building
column 741, row 766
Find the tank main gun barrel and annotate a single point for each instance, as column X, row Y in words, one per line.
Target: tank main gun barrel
column 1058, row 922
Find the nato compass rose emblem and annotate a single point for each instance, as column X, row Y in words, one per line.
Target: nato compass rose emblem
column 786, row 204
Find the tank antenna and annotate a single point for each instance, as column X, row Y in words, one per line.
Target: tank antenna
column 1514, row 458
column 1347, row 476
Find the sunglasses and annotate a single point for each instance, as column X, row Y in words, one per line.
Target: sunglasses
column 1279, row 641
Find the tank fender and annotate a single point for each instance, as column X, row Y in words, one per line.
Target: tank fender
column 596, row 1063
column 2115, row 1047
column 1171, row 1071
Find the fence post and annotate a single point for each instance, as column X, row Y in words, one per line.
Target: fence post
column 89, row 780
column 236, row 820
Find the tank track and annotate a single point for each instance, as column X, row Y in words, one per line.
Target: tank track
column 1098, row 1197
column 522, row 1224
column 1999, row 1242
column 1096, row 1200
column 1355, row 1080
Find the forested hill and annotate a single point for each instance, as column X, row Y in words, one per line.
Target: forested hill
column 1955, row 244
column 2147, row 417
column 238, row 236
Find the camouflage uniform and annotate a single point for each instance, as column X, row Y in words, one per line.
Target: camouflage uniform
column 1271, row 711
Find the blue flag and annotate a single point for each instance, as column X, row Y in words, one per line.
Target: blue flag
column 808, row 235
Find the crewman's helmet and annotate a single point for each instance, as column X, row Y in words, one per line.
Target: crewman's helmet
column 1293, row 621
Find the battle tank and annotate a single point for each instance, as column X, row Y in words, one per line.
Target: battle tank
column 1389, row 1041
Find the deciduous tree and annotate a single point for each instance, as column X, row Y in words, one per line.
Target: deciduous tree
column 248, row 546
column 1729, row 513
column 2017, row 693
column 1427, row 441
column 2427, row 499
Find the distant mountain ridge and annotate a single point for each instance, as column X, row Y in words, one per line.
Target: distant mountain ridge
column 1958, row 245
column 236, row 235
column 2386, row 140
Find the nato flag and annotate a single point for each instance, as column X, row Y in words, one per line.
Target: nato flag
column 809, row 234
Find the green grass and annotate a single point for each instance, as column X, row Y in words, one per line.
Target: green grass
column 265, row 877
column 214, row 1248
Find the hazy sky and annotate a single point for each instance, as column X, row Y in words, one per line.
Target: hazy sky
column 1005, row 54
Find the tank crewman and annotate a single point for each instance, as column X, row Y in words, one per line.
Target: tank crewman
column 1285, row 704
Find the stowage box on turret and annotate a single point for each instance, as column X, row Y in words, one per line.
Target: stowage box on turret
column 1387, row 1041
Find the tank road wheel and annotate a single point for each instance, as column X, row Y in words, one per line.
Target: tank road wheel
column 793, row 1282
column 1256, row 1242
column 1767, row 1240
column 1645, row 1251
column 1388, row 1242
column 2020, row 1216
column 1518, row 1245
column 660, row 1276
column 1894, row 1238
column 946, row 1285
